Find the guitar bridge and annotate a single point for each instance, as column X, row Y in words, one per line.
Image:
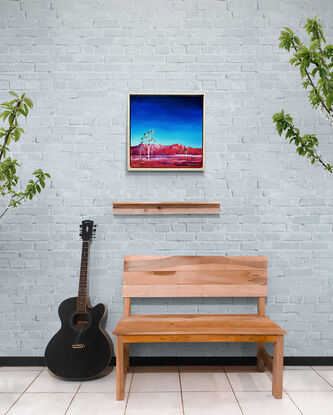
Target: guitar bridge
column 78, row 346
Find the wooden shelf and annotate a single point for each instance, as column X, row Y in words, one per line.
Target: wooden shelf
column 166, row 208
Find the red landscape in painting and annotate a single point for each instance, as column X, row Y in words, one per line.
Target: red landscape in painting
column 174, row 156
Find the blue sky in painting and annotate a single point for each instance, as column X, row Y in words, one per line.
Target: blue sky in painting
column 176, row 119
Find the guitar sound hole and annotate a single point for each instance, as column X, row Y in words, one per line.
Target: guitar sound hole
column 80, row 320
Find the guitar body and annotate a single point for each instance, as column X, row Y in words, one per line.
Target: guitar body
column 81, row 349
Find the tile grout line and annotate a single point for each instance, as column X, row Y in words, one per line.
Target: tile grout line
column 181, row 390
column 321, row 376
column 239, row 405
column 292, row 401
column 23, row 392
column 70, row 403
column 129, row 390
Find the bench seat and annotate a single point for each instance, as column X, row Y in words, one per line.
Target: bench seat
column 177, row 324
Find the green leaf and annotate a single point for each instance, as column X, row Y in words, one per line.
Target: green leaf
column 329, row 101
column 29, row 102
column 322, row 72
column 14, row 94
column 286, row 39
column 26, row 110
column 16, row 134
column 4, row 115
column 11, row 118
column 306, row 84
column 315, row 70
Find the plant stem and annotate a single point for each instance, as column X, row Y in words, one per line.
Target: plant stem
column 4, row 212
column 5, row 141
column 9, row 205
column 323, row 61
column 11, row 128
column 313, row 153
column 312, row 83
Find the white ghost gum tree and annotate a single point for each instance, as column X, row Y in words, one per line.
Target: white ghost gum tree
column 147, row 140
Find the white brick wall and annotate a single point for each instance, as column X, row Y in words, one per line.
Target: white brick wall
column 78, row 60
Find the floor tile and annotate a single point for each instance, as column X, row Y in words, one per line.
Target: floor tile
column 16, row 381
column 96, row 404
column 155, row 379
column 208, row 379
column 240, row 369
column 155, row 369
column 105, row 384
column 154, row 403
column 297, row 367
column 42, row 404
column 210, row 403
column 7, row 400
column 21, row 368
column 250, row 380
column 48, row 383
column 327, row 375
column 322, row 367
column 304, row 380
column 189, row 368
column 263, row 403
column 314, row 402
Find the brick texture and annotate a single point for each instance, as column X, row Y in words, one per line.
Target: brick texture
column 78, row 60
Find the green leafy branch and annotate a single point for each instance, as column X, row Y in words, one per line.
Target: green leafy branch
column 313, row 61
column 306, row 145
column 9, row 179
column 315, row 64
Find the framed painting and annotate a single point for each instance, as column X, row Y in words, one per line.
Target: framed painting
column 166, row 132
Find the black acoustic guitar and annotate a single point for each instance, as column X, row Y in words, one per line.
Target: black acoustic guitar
column 81, row 349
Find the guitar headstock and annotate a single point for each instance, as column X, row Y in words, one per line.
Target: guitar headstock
column 87, row 230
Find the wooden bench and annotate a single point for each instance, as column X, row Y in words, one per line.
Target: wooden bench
column 197, row 276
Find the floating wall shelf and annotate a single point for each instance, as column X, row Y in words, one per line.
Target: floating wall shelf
column 166, row 208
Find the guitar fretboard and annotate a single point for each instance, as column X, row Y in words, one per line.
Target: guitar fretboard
column 83, row 285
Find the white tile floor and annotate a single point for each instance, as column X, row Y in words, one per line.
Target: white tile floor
column 169, row 391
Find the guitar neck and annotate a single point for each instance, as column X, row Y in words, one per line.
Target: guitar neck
column 83, row 285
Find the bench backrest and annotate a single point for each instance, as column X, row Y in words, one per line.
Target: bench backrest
column 195, row 276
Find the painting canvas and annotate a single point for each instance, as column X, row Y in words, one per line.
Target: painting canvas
column 166, row 132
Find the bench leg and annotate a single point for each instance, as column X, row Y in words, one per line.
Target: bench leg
column 120, row 375
column 126, row 357
column 260, row 360
column 278, row 368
